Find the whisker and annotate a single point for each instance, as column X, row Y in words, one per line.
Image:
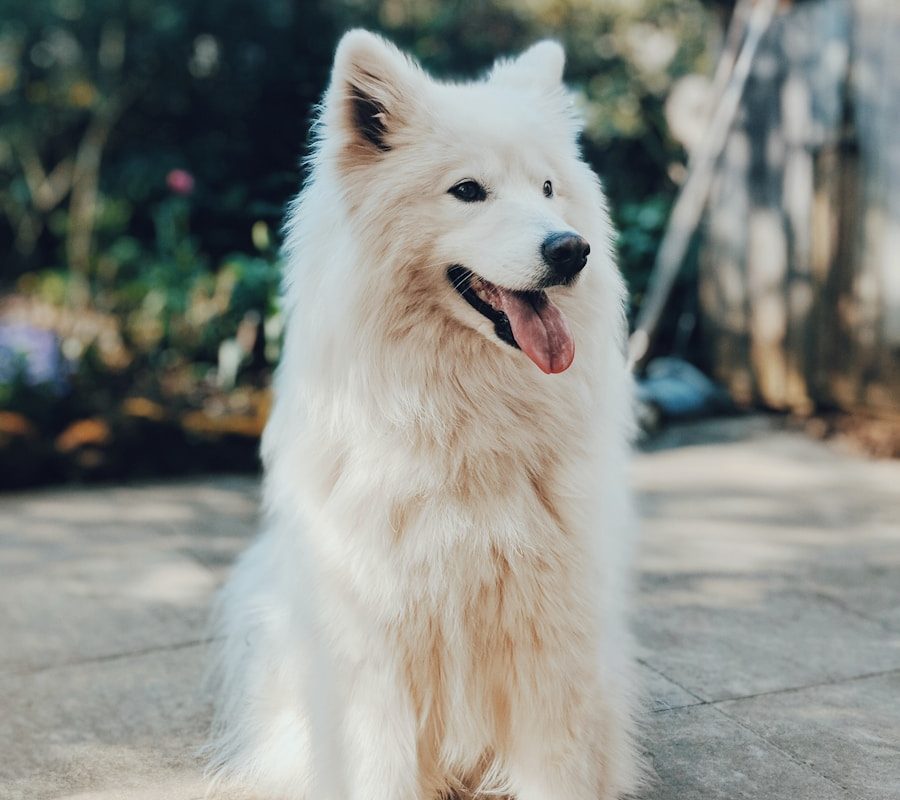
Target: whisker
column 461, row 282
column 465, row 277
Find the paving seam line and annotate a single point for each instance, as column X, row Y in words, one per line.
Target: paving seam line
column 837, row 601
column 108, row 657
column 788, row 754
column 700, row 701
column 786, row 690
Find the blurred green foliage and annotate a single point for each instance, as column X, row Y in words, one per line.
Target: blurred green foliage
column 148, row 147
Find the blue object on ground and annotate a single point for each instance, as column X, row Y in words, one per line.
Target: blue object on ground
column 678, row 389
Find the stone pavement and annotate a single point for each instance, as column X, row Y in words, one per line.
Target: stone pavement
column 769, row 619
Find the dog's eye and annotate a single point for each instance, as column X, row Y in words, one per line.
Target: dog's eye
column 548, row 189
column 468, row 191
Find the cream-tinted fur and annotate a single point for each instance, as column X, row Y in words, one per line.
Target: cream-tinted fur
column 437, row 601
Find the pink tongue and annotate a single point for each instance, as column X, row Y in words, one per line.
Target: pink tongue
column 542, row 332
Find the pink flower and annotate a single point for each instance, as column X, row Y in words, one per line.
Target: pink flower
column 180, row 181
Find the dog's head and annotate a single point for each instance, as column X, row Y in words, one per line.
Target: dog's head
column 473, row 191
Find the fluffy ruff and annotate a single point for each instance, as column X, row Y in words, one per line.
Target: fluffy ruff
column 436, row 604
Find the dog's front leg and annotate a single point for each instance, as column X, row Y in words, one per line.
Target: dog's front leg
column 550, row 765
column 553, row 753
column 380, row 734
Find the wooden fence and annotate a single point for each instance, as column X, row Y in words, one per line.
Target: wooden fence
column 799, row 272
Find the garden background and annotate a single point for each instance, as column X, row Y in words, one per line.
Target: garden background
column 147, row 151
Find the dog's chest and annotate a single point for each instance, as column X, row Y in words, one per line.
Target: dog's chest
column 476, row 620
column 460, row 536
column 467, row 559
column 468, row 549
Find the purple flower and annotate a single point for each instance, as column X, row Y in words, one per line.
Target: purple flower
column 32, row 354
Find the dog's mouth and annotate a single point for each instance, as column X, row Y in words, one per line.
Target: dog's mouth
column 527, row 320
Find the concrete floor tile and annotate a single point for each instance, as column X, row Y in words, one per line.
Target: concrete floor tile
column 108, row 570
column 848, row 731
column 661, row 693
column 210, row 521
column 698, row 754
column 111, row 726
column 754, row 548
column 722, row 639
column 120, row 600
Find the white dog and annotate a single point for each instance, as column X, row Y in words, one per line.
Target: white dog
column 436, row 606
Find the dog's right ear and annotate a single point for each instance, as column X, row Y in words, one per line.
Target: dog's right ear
column 372, row 87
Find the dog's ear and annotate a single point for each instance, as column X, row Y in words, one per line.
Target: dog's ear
column 373, row 85
column 540, row 65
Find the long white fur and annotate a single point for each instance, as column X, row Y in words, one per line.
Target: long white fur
column 437, row 601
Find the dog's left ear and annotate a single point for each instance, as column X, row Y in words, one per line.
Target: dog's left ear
column 540, row 65
column 372, row 87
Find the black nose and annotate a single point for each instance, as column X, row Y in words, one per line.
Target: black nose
column 565, row 254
